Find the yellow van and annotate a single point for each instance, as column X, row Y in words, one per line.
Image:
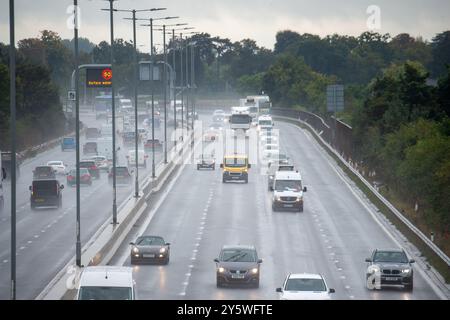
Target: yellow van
column 235, row 167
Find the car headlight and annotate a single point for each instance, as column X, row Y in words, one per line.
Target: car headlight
column 276, row 198
column 373, row 269
column 406, row 270
column 162, row 250
column 221, row 270
column 270, row 177
column 299, row 199
column 255, row 270
column 135, row 250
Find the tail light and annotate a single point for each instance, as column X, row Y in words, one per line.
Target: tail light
column 93, row 168
column 70, row 178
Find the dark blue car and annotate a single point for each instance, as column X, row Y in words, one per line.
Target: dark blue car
column 68, row 143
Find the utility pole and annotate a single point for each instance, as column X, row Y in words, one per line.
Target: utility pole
column 181, row 86
column 174, row 89
column 12, row 105
column 165, row 94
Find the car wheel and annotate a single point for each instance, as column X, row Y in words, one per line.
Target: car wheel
column 300, row 209
column 166, row 262
column 224, row 180
column 33, row 208
column 274, row 209
column 256, row 284
column 198, row 167
column 409, row 287
column 246, row 180
column 218, row 283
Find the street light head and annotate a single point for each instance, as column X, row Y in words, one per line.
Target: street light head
column 157, row 9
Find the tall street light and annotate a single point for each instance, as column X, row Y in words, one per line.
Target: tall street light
column 113, row 111
column 12, row 105
column 136, row 135
column 152, row 64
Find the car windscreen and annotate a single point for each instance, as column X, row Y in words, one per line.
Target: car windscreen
column 43, row 170
column 288, row 185
column 68, row 140
column 235, row 162
column 44, row 188
column 87, row 164
column 121, row 171
column 305, row 285
column 105, row 293
column 238, row 255
column 73, row 172
column 151, row 241
column 240, row 119
column 390, row 256
column 265, row 122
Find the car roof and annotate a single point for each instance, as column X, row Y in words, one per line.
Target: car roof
column 288, row 175
column 305, row 276
column 238, row 246
column 390, row 249
column 107, row 276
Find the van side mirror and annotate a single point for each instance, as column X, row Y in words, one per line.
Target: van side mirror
column 331, row 290
column 216, row 260
column 221, row 165
column 305, row 189
column 412, row 261
column 249, row 165
column 279, row 290
column 61, row 186
column 260, row 260
column 368, row 260
column 30, row 188
column 132, row 244
column 271, row 188
column 168, row 244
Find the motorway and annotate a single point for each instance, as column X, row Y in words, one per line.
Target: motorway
column 199, row 214
column 46, row 237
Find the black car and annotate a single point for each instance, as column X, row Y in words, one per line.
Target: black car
column 44, row 172
column 46, row 193
column 206, row 162
column 7, row 161
column 389, row 267
column 238, row 265
column 123, row 175
column 92, row 167
column 151, row 249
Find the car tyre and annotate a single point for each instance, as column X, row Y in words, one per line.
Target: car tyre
column 256, row 284
column 300, row 209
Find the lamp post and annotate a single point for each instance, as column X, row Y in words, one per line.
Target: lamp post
column 136, row 134
column 12, row 105
column 152, row 64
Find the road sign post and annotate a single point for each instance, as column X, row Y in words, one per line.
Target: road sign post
column 335, row 103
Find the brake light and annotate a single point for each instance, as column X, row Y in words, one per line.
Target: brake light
column 93, row 168
column 70, row 178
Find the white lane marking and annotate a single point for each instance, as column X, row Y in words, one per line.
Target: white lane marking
column 352, row 297
column 182, row 293
column 199, row 238
column 202, row 227
column 193, row 258
column 36, row 236
column 43, row 231
column 347, row 287
column 185, row 283
column 195, row 250
column 22, row 248
column 5, row 261
column 336, row 261
column 188, row 274
column 339, row 269
column 29, row 241
column 202, row 223
column 343, row 277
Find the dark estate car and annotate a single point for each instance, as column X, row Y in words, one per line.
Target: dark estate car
column 207, row 162
column 392, row 266
column 150, row 249
column 238, row 265
column 44, row 172
column 46, row 193
column 123, row 175
column 92, row 167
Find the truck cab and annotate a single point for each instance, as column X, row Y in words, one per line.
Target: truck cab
column 288, row 191
column 235, row 168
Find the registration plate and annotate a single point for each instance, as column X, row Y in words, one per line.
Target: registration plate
column 288, row 205
column 148, row 255
column 237, row 276
column 390, row 279
column 39, row 200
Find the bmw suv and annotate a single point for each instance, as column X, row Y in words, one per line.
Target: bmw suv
column 389, row 267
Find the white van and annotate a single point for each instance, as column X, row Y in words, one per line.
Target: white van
column 288, row 191
column 107, row 283
column 142, row 158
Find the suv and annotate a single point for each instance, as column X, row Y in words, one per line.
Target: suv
column 288, row 191
column 148, row 145
column 44, row 172
column 305, row 286
column 92, row 167
column 142, row 158
column 46, row 193
column 238, row 264
column 235, row 168
column 389, row 267
column 123, row 175
column 101, row 162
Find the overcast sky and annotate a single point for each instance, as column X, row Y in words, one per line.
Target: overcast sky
column 234, row 19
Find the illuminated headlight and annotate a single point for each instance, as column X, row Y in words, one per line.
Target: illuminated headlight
column 299, row 199
column 135, row 250
column 255, row 270
column 162, row 250
column 270, row 177
column 276, row 198
column 406, row 270
column 221, row 270
column 373, row 269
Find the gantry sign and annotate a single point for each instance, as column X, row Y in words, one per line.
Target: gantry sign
column 98, row 77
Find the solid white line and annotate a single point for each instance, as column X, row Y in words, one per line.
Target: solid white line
column 22, row 248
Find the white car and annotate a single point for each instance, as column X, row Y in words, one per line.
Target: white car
column 305, row 286
column 271, row 151
column 142, row 158
column 58, row 166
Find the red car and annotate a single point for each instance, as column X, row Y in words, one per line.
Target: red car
column 85, row 177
